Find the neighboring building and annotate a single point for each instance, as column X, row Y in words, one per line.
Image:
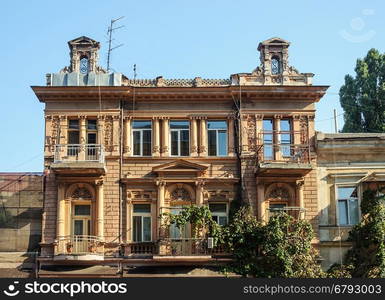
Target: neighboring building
column 21, row 206
column 119, row 152
column 348, row 164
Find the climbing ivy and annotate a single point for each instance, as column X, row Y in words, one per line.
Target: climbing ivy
column 198, row 216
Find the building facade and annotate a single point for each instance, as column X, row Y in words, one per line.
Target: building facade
column 119, row 152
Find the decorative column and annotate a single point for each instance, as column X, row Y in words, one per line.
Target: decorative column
column 203, row 137
column 194, row 137
column 60, row 219
column 83, row 137
column 262, row 215
column 277, row 137
column 127, row 136
column 63, row 129
column 231, row 146
column 161, row 191
column 115, row 134
column 259, row 134
column 244, row 134
column 129, row 219
column 100, row 209
column 156, row 137
column 301, row 203
column 199, row 192
column 165, row 137
column 48, row 140
column 100, row 119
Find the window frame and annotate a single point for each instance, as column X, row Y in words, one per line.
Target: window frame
column 140, row 130
column 179, row 139
column 337, row 201
column 217, row 130
column 142, row 215
column 220, row 214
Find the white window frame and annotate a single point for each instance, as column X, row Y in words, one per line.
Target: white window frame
column 179, row 141
column 336, row 197
column 217, row 138
column 141, row 214
column 221, row 214
column 140, row 138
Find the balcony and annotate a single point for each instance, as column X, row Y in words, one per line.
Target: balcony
column 277, row 154
column 175, row 247
column 79, row 247
column 79, row 159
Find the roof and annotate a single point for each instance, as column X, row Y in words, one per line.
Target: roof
column 349, row 136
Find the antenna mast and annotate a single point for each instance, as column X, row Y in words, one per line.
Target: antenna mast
column 110, row 39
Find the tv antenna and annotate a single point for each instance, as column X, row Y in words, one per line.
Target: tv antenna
column 110, row 39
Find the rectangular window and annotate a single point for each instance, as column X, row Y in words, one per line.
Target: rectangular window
column 73, row 138
column 268, row 136
column 285, row 137
column 217, row 138
column 219, row 212
column 141, row 222
column 82, row 210
column 180, row 138
column 141, row 135
column 348, row 208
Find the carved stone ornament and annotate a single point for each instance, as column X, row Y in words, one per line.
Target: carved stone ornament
column 81, row 193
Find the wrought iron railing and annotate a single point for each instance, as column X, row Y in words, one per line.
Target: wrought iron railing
column 188, row 247
column 79, row 152
column 283, row 146
column 79, row 244
column 295, row 211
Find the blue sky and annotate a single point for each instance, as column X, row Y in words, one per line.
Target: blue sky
column 175, row 39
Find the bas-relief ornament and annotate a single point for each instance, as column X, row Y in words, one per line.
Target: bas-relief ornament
column 279, row 193
column 108, row 134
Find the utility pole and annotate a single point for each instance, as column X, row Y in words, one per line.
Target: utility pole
column 335, row 121
column 110, row 39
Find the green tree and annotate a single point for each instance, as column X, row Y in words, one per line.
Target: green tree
column 366, row 258
column 363, row 97
column 280, row 248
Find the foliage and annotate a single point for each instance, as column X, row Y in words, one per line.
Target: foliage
column 363, row 97
column 198, row 216
column 280, row 248
column 366, row 258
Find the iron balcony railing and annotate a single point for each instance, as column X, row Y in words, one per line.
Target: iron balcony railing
column 190, row 246
column 79, row 244
column 79, row 153
column 283, row 146
column 294, row 211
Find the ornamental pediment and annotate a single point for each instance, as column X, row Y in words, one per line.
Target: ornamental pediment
column 180, row 166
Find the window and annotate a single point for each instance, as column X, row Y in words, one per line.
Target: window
column 73, row 138
column 219, row 212
column 347, row 206
column 141, row 135
column 268, row 135
column 141, row 219
column 81, row 219
column 285, row 137
column 84, row 65
column 275, row 66
column 180, row 138
column 217, row 138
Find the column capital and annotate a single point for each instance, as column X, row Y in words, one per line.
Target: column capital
column 63, row 117
column 296, row 117
column 259, row 117
column 160, row 183
column 99, row 182
column 82, row 117
column 200, row 183
column 311, row 117
column 278, row 116
column 299, row 183
column 116, row 117
column 48, row 117
column 127, row 118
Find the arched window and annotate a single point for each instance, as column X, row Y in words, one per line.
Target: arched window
column 180, row 194
column 275, row 65
column 84, row 65
column 81, row 193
